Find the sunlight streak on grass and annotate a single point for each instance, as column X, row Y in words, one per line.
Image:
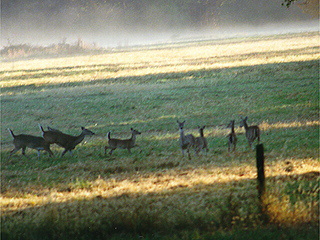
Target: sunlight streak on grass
column 142, row 63
column 295, row 124
column 215, row 179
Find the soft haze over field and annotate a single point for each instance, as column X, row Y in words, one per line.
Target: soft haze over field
column 127, row 22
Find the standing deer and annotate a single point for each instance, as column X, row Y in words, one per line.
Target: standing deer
column 65, row 141
column 201, row 142
column 232, row 138
column 252, row 132
column 114, row 143
column 22, row 141
column 186, row 141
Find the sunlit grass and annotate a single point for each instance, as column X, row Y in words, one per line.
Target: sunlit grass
column 206, row 178
column 273, row 81
column 177, row 59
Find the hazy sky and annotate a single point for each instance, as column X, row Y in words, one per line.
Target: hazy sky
column 112, row 22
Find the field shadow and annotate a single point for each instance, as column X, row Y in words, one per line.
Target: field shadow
column 202, row 207
column 149, row 78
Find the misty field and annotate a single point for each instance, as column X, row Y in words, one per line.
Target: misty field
column 158, row 193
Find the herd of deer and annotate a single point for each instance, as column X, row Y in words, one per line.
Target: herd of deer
column 188, row 142
column 68, row 142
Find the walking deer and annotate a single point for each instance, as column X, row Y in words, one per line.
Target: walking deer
column 22, row 141
column 63, row 140
column 186, row 141
column 232, row 138
column 114, row 143
column 252, row 132
column 201, row 142
column 53, row 129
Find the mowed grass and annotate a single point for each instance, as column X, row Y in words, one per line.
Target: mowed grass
column 158, row 193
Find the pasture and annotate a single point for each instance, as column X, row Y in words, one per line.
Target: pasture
column 158, row 193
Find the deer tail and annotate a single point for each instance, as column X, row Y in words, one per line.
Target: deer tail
column 41, row 128
column 11, row 132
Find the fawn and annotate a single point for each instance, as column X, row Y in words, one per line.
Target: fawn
column 114, row 143
column 252, row 132
column 65, row 141
column 22, row 141
column 201, row 142
column 232, row 138
column 186, row 141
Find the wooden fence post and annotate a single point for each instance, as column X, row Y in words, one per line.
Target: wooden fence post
column 261, row 181
column 260, row 169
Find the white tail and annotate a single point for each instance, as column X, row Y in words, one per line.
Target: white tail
column 252, row 132
column 114, row 143
column 186, row 141
column 201, row 142
column 232, row 138
column 65, row 141
column 22, row 141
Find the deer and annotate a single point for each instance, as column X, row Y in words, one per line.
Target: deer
column 186, row 141
column 22, row 141
column 201, row 142
column 252, row 132
column 53, row 129
column 232, row 138
column 114, row 143
column 66, row 141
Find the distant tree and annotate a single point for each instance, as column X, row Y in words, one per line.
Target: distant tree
column 308, row 6
column 288, row 3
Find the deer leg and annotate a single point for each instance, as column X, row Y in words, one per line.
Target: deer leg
column 50, row 152
column 111, row 151
column 13, row 151
column 250, row 144
column 24, row 151
column 189, row 156
column 64, row 152
column 138, row 147
column 105, row 150
column 206, row 150
column 197, row 150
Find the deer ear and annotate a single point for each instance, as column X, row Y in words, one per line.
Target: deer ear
column 203, row 127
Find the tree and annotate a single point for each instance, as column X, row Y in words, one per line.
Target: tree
column 308, row 6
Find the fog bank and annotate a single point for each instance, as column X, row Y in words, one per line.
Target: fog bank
column 131, row 22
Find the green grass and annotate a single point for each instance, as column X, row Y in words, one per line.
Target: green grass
column 158, row 194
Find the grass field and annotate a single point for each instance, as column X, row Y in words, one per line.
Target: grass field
column 158, row 193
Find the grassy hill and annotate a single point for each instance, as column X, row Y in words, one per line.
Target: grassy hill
column 158, row 193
